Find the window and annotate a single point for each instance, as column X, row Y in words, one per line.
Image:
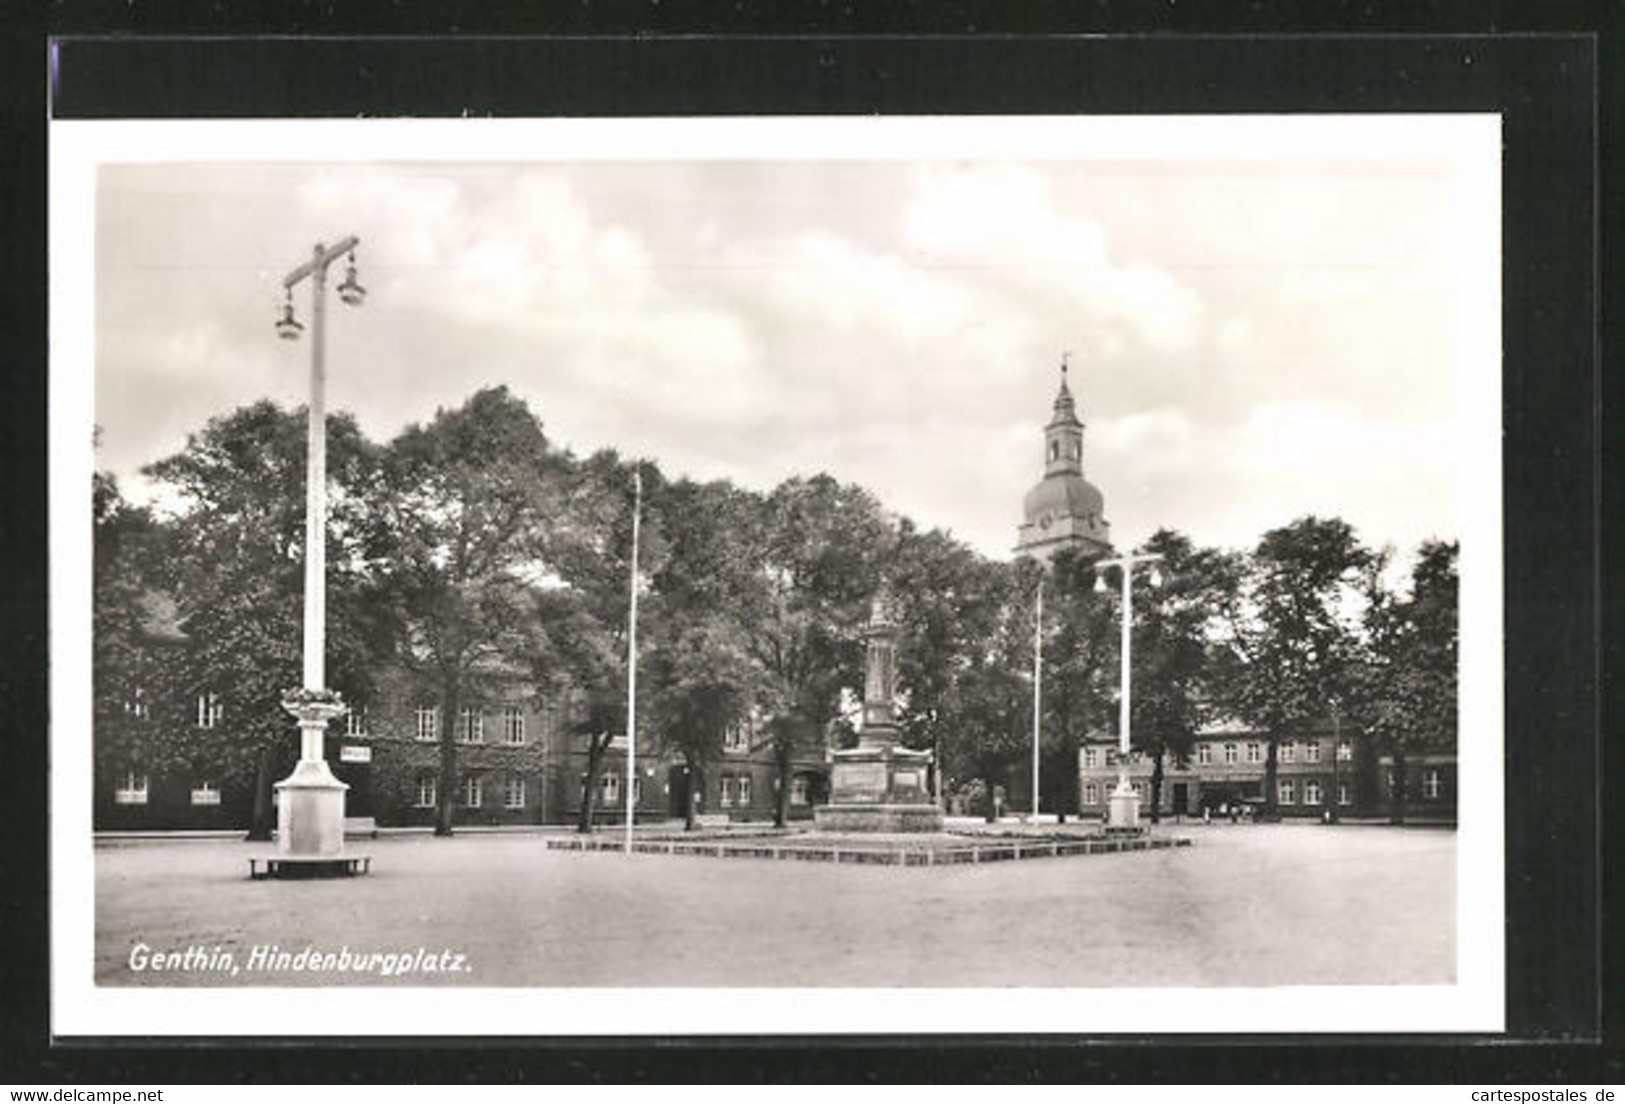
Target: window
column 1230, row 753
column 1287, row 791
column 1054, row 450
column 355, row 721
column 727, row 790
column 1091, row 794
column 1311, row 751
column 1091, row 757
column 138, row 706
column 609, row 788
column 1255, row 752
column 134, row 790
column 637, row 789
column 513, row 725
column 428, row 722
column 209, row 709
column 205, row 793
column 1311, row 792
column 1289, row 752
column 426, row 791
column 736, row 737
column 1139, row 790
column 1204, row 754
column 1430, row 784
column 513, row 793
column 473, row 791
column 1345, row 751
column 798, row 790
column 471, row 725
column 1344, row 796
column 744, row 789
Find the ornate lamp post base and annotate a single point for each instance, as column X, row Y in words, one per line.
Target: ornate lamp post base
column 310, row 802
column 1124, row 814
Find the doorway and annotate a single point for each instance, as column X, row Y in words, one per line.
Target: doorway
column 677, row 792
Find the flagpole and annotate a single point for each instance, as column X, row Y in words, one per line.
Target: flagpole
column 1038, row 681
column 632, row 666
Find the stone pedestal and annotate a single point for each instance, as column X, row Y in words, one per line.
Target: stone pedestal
column 1124, row 814
column 310, row 812
column 310, row 801
column 879, row 788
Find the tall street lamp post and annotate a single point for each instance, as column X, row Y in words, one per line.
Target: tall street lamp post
column 1125, row 803
column 310, row 817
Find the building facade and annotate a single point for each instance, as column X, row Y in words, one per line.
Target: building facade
column 518, row 763
column 1324, row 769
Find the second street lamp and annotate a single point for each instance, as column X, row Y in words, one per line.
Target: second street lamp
column 1124, row 812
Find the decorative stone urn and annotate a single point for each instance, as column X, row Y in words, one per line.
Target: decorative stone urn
column 879, row 786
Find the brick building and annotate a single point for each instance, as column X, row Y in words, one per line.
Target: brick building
column 517, row 762
column 1326, row 767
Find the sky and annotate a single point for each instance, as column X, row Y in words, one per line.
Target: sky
column 1251, row 338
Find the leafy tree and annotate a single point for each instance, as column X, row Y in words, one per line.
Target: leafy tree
column 461, row 512
column 814, row 558
column 702, row 680
column 1408, row 686
column 1293, row 628
column 934, row 581
column 128, row 652
column 1170, row 652
column 235, row 568
column 585, row 623
column 1080, row 655
column 990, row 719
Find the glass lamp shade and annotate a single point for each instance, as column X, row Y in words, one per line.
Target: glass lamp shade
column 351, row 291
column 1156, row 577
column 288, row 328
column 1100, row 583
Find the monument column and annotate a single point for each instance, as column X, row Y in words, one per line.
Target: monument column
column 879, row 786
column 880, row 677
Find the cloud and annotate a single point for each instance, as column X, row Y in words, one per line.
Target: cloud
column 1156, row 431
column 1001, row 220
column 831, row 281
column 1393, row 478
column 896, row 324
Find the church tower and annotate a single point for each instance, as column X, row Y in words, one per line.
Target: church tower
column 1063, row 510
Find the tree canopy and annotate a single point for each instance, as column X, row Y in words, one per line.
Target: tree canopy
column 469, row 547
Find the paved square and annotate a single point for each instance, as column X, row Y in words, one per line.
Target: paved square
column 1251, row 905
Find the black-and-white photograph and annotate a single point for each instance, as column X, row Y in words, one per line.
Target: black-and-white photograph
column 1030, row 573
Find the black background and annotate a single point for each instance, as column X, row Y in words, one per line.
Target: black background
column 1549, row 88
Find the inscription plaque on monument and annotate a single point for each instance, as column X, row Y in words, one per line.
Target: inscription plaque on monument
column 859, row 783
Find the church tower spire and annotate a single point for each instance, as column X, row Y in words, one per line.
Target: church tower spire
column 1064, row 510
column 1063, row 437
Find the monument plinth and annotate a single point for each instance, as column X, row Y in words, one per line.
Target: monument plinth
column 879, row 786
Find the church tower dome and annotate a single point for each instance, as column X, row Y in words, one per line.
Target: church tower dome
column 1063, row 510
